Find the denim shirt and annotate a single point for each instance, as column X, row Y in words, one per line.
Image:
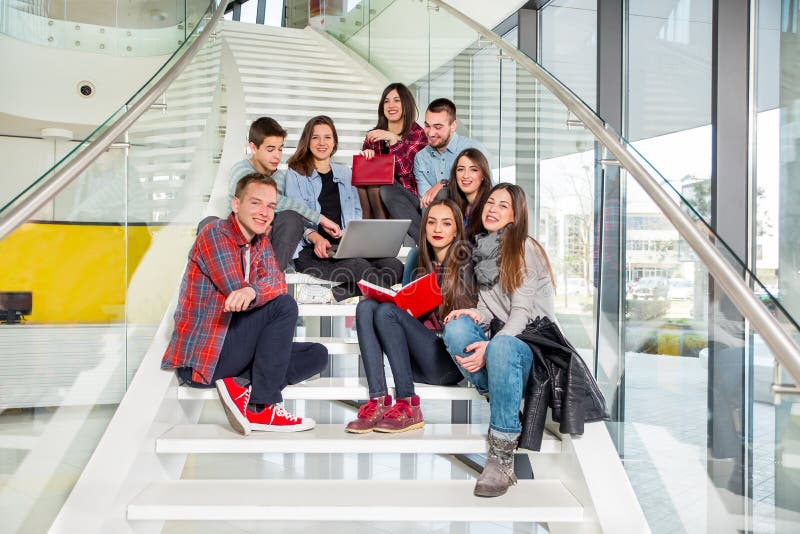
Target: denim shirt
column 306, row 190
column 430, row 166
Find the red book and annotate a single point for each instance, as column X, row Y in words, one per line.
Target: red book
column 419, row 297
column 376, row 171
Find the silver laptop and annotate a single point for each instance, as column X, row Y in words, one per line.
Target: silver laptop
column 372, row 238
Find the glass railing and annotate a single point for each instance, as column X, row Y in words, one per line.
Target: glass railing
column 687, row 380
column 109, row 27
column 93, row 273
column 54, row 154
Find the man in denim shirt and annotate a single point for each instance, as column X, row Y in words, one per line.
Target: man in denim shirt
column 432, row 164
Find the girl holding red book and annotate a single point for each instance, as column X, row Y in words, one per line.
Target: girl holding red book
column 414, row 346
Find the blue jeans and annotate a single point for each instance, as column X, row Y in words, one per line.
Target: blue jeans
column 503, row 377
column 415, row 353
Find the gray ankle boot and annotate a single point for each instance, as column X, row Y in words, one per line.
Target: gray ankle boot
column 498, row 473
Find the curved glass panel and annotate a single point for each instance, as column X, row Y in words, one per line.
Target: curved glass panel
column 109, row 27
column 17, row 198
column 88, row 280
column 705, row 443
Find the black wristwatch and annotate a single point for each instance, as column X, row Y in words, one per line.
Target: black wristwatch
column 444, row 182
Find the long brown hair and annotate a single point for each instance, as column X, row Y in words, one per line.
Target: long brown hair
column 409, row 108
column 458, row 286
column 512, row 243
column 302, row 161
column 473, row 211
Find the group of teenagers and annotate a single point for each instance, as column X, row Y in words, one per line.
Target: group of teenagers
column 234, row 321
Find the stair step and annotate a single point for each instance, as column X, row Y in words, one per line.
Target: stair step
column 431, row 439
column 534, row 501
column 366, row 119
column 335, row 345
column 326, row 310
column 246, row 50
column 312, row 67
column 299, row 73
column 299, row 278
column 288, row 84
column 247, row 29
column 344, row 388
column 273, row 87
column 330, row 102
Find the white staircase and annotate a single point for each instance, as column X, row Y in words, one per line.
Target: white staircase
column 292, row 75
column 176, row 146
column 169, row 455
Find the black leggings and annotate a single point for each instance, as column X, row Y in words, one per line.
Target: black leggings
column 384, row 272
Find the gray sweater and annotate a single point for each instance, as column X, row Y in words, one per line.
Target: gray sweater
column 534, row 298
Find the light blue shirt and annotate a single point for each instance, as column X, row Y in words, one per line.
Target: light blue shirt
column 306, row 190
column 430, row 167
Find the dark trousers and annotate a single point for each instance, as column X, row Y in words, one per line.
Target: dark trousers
column 286, row 233
column 402, row 204
column 259, row 347
column 415, row 353
column 384, row 272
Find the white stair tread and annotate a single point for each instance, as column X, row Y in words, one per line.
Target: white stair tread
column 431, row 439
column 326, row 310
column 341, row 345
column 300, row 278
column 344, row 388
column 536, row 501
column 294, row 100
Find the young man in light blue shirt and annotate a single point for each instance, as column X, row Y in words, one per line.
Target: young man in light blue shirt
column 432, row 164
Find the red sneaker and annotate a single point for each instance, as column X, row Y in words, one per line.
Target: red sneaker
column 369, row 414
column 275, row 418
column 404, row 415
column 234, row 396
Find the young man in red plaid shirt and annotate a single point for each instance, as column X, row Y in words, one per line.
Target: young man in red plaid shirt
column 234, row 321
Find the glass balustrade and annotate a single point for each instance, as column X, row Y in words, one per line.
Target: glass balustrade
column 92, row 274
column 705, row 443
column 116, row 28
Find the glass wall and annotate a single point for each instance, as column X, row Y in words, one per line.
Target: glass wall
column 95, row 271
column 666, row 323
column 776, row 479
column 569, row 45
column 129, row 28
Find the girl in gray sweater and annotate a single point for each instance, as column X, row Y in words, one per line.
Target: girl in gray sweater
column 516, row 286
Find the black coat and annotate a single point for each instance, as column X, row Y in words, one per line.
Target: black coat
column 559, row 379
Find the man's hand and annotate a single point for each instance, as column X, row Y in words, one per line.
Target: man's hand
column 430, row 195
column 476, row 360
column 329, row 226
column 383, row 135
column 321, row 245
column 368, row 153
column 239, row 300
column 472, row 314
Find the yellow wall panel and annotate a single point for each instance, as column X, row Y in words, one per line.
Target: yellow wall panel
column 77, row 273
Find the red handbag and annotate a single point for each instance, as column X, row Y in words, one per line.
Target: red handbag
column 376, row 171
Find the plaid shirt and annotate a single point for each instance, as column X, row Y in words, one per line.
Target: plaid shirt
column 215, row 269
column 404, row 153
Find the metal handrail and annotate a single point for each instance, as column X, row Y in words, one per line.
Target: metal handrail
column 62, row 178
column 785, row 350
